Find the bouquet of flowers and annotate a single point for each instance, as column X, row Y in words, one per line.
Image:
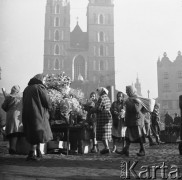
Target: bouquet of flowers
column 64, row 99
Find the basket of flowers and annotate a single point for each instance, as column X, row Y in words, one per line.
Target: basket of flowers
column 64, row 99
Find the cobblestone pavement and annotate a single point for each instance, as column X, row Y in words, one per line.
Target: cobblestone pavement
column 88, row 166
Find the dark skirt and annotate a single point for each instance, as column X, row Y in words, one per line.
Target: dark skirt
column 136, row 134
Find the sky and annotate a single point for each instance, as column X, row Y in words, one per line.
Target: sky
column 144, row 30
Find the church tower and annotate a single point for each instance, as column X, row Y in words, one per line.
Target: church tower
column 138, row 87
column 57, row 35
column 100, row 27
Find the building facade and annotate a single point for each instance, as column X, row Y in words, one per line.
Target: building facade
column 169, row 83
column 87, row 57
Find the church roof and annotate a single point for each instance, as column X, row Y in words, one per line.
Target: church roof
column 78, row 38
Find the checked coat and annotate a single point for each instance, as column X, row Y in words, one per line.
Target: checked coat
column 104, row 118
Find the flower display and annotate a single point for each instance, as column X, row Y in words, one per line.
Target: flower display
column 65, row 100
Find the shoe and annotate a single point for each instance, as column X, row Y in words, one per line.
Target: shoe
column 94, row 149
column 123, row 152
column 32, row 157
column 39, row 154
column 105, row 151
column 12, row 151
column 141, row 153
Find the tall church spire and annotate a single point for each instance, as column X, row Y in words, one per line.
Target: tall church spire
column 138, row 86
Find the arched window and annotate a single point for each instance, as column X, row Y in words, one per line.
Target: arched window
column 101, row 36
column 57, row 9
column 57, row 21
column 56, row 49
column 101, row 50
column 101, row 19
column 57, row 64
column 56, row 35
column 101, row 65
column 79, row 67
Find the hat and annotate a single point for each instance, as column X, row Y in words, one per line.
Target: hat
column 39, row 77
column 102, row 90
column 15, row 89
column 131, row 91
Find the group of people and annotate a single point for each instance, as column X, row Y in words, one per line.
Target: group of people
column 125, row 120
column 28, row 115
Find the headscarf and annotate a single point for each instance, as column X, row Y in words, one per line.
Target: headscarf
column 15, row 90
column 131, row 91
column 102, row 90
column 37, row 79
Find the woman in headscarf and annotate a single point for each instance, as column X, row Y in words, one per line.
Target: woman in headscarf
column 35, row 116
column 12, row 105
column 118, row 127
column 134, row 121
column 104, row 119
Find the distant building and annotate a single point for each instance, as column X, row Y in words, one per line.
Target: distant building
column 87, row 57
column 169, row 83
column 138, row 86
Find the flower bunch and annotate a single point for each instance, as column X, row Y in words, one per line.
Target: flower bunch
column 57, row 81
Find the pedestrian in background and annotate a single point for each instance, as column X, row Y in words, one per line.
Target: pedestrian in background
column 104, row 119
column 92, row 119
column 12, row 105
column 155, row 121
column 134, row 121
column 118, row 127
column 35, row 116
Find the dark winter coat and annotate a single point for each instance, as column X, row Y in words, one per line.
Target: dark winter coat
column 35, row 115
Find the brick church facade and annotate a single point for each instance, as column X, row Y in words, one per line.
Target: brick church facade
column 87, row 57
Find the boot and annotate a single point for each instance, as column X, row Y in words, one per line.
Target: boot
column 95, row 148
column 39, row 154
column 125, row 152
column 31, row 156
column 141, row 152
column 151, row 142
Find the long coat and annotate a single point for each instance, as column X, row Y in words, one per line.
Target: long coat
column 35, row 116
column 12, row 106
column 104, row 118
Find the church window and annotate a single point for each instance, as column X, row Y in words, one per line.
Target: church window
column 57, row 9
column 57, row 64
column 101, row 65
column 56, row 35
column 180, row 74
column 101, row 19
column 166, row 75
column 56, row 49
column 57, row 21
column 179, row 87
column 101, row 36
column 79, row 67
column 101, row 50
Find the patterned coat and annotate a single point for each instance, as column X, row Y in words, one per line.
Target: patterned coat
column 104, row 118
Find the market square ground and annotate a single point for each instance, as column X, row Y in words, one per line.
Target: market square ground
column 87, row 166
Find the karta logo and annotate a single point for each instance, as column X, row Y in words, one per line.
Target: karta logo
column 129, row 170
